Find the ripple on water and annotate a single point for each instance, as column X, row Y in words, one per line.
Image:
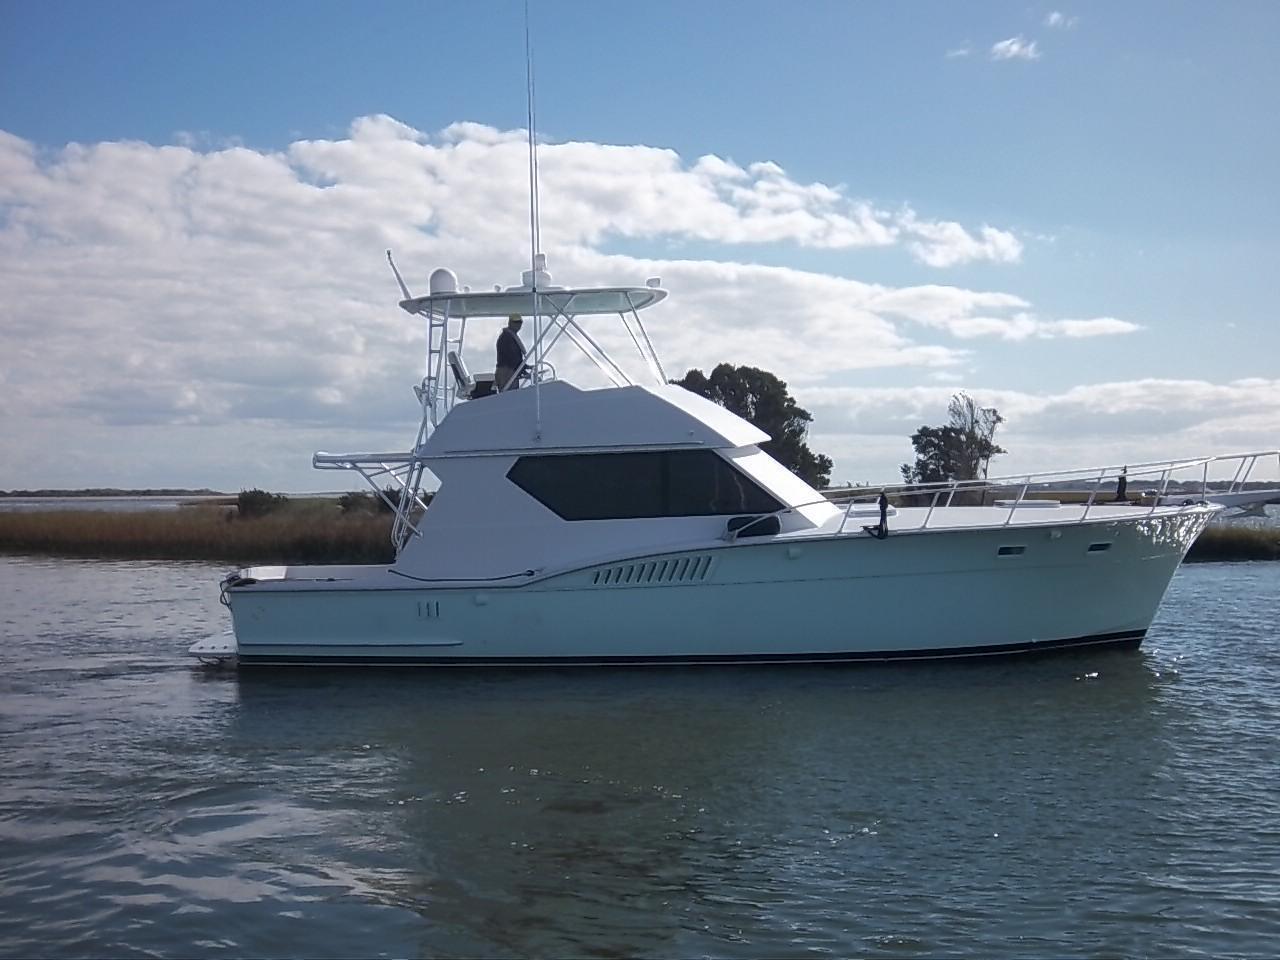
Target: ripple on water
column 1106, row 803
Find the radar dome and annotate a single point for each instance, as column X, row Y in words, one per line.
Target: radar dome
column 444, row 281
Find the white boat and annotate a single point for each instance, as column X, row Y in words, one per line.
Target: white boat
column 1233, row 496
column 638, row 523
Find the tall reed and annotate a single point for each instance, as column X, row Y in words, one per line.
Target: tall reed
column 1226, row 542
column 316, row 531
column 305, row 532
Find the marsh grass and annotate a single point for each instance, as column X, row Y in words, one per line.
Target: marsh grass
column 316, row 530
column 1236, row 543
column 303, row 531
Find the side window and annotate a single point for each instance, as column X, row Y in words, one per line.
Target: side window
column 701, row 484
column 601, row 487
column 615, row 486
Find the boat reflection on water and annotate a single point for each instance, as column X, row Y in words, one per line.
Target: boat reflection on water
column 555, row 811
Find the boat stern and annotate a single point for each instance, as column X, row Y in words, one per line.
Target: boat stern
column 223, row 648
column 216, row 649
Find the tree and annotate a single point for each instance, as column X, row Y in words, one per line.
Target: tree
column 959, row 450
column 258, row 503
column 761, row 398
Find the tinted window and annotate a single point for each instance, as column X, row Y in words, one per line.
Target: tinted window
column 614, row 486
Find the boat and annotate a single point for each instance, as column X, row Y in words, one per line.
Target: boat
column 634, row 522
column 1234, row 497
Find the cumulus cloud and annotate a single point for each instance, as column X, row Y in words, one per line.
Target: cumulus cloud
column 160, row 301
column 1093, row 327
column 968, row 314
column 958, row 52
column 1088, row 425
column 1056, row 20
column 1118, row 408
column 1023, row 326
column 1015, row 48
column 809, row 325
column 946, row 244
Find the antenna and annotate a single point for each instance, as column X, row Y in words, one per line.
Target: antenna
column 399, row 279
column 535, row 227
column 535, row 230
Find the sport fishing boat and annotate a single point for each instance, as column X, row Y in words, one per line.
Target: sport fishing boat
column 639, row 523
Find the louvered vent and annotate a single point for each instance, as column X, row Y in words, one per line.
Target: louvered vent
column 670, row 570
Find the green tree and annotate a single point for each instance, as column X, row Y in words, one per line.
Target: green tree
column 258, row 503
column 961, row 449
column 761, row 398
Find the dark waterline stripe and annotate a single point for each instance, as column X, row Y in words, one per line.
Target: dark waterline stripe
column 1131, row 638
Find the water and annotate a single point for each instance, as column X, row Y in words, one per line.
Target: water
column 108, row 504
column 1096, row 804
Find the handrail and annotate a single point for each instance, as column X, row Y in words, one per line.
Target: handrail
column 405, row 470
column 1154, row 468
column 1159, row 473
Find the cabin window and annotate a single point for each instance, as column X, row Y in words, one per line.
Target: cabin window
column 617, row 486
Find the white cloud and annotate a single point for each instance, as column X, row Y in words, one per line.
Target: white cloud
column 164, row 305
column 946, row 244
column 937, row 305
column 1088, row 425
column 1093, row 327
column 808, row 325
column 1015, row 48
column 592, row 191
column 1057, row 20
column 1022, row 326
column 958, row 52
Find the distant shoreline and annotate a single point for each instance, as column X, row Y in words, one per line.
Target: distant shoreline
column 317, row 530
column 103, row 493
column 305, row 530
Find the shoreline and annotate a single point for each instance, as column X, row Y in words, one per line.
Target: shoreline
column 318, row 531
column 303, row 531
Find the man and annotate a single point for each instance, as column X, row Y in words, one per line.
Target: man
column 510, row 355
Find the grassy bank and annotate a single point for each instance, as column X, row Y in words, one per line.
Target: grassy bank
column 1236, row 543
column 317, row 531
column 306, row 531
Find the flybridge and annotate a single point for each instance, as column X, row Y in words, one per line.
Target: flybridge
column 556, row 313
column 444, row 297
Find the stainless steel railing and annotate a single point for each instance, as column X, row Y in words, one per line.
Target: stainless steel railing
column 1158, row 474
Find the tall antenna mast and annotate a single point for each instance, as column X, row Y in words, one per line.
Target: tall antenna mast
column 535, row 229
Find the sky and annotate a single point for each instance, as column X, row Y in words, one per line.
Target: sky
column 1067, row 210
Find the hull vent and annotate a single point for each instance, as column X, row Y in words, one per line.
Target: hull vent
column 644, row 572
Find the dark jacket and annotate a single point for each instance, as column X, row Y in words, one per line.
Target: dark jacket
column 510, row 349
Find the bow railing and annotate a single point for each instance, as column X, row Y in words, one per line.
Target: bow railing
column 1179, row 482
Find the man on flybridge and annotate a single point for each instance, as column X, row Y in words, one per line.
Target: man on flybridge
column 510, row 355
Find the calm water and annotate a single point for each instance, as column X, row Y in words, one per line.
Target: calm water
column 1101, row 804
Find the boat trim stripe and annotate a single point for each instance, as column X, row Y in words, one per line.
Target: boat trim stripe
column 396, row 659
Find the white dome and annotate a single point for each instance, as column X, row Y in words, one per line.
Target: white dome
column 444, row 281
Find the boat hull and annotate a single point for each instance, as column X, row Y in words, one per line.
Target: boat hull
column 327, row 657
column 947, row 593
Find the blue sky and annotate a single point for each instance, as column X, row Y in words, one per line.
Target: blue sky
column 1123, row 155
